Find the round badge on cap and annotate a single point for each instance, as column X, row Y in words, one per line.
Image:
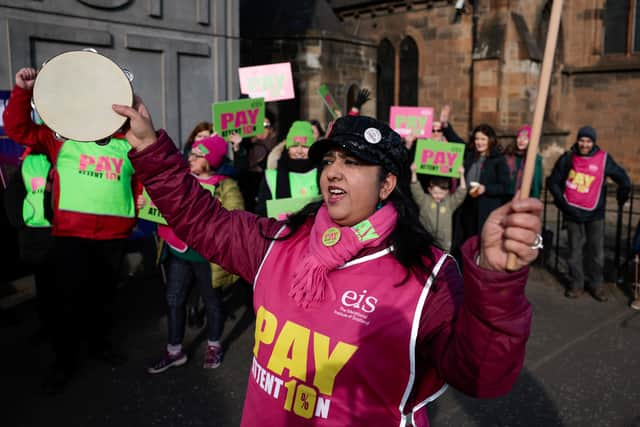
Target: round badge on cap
column 331, row 236
column 372, row 135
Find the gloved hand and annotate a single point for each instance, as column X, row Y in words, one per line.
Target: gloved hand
column 622, row 196
column 363, row 96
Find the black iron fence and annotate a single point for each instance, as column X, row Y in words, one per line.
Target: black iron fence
column 620, row 227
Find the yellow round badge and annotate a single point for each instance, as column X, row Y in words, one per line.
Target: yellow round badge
column 331, row 236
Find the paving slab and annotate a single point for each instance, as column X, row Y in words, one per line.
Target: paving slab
column 582, row 368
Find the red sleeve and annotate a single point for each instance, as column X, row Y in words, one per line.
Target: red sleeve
column 233, row 239
column 20, row 128
column 476, row 337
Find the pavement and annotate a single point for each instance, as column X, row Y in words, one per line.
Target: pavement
column 582, row 368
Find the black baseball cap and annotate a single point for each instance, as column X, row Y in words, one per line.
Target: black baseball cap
column 367, row 139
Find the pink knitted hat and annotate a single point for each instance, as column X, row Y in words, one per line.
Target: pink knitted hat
column 213, row 148
column 525, row 128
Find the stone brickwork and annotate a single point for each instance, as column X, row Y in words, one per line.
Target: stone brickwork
column 587, row 86
column 444, row 50
column 582, row 25
column 494, row 84
column 497, row 82
column 599, row 89
column 609, row 102
column 315, row 61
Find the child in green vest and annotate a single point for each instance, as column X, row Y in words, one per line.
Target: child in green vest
column 185, row 265
column 437, row 206
column 290, row 173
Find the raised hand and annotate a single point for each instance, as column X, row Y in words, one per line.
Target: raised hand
column 414, row 172
column 235, row 139
column 513, row 227
column 26, row 77
column 363, row 96
column 409, row 140
column 444, row 115
column 140, row 132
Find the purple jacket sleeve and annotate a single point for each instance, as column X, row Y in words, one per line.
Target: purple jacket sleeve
column 234, row 240
column 477, row 339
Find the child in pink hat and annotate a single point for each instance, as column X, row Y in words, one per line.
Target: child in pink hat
column 212, row 149
column 184, row 265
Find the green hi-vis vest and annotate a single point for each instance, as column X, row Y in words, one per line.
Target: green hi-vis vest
column 302, row 184
column 96, row 179
column 35, row 169
column 150, row 212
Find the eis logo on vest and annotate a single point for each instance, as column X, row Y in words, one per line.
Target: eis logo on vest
column 100, row 167
column 356, row 306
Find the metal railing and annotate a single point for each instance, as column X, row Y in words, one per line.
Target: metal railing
column 620, row 225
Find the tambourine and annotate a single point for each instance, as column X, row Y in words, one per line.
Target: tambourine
column 74, row 91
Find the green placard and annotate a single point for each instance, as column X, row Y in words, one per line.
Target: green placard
column 439, row 158
column 328, row 100
column 281, row 208
column 244, row 116
column 149, row 211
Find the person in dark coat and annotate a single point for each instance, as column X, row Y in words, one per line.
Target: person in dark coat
column 578, row 184
column 487, row 175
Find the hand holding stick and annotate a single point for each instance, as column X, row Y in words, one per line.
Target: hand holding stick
column 538, row 116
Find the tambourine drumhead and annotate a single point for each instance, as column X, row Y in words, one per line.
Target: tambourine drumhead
column 73, row 94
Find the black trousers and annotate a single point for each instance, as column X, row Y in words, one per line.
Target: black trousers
column 86, row 278
column 36, row 250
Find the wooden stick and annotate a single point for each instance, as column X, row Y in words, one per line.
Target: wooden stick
column 538, row 115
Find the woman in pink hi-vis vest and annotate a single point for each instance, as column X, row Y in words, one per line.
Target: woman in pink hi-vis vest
column 360, row 320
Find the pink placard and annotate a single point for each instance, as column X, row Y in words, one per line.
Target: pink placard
column 406, row 120
column 272, row 82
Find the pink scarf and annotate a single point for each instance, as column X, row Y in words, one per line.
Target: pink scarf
column 516, row 171
column 331, row 246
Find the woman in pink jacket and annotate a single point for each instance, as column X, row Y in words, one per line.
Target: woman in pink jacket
column 360, row 320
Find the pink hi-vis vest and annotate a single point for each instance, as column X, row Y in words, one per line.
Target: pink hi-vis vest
column 585, row 181
column 349, row 360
